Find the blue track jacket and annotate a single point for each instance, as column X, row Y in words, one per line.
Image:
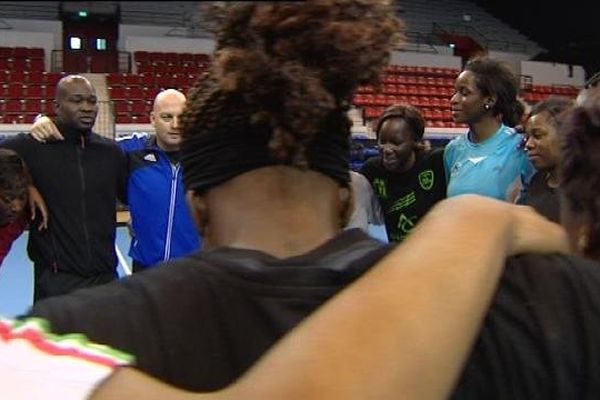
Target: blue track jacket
column 162, row 223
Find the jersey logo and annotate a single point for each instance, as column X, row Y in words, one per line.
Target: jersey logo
column 380, row 188
column 426, row 179
column 403, row 202
column 150, row 157
column 477, row 160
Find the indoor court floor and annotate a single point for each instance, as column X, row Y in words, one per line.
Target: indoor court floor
column 16, row 274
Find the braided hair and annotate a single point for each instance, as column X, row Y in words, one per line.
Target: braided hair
column 580, row 170
column 285, row 73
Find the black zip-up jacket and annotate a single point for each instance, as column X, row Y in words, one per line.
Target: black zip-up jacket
column 80, row 179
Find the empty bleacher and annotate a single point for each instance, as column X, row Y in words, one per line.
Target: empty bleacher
column 26, row 89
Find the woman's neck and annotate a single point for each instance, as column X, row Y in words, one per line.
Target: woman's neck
column 552, row 179
column 284, row 212
column 484, row 129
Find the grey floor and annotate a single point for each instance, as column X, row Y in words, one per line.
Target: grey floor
column 16, row 274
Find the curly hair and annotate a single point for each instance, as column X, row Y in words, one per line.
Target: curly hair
column 289, row 69
column 14, row 178
column 580, row 170
column 495, row 78
column 411, row 115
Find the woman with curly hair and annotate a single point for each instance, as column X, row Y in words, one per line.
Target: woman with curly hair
column 486, row 160
column 19, row 200
column 580, row 178
column 266, row 165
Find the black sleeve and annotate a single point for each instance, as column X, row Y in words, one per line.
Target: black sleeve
column 20, row 143
column 123, row 176
column 541, row 336
column 369, row 168
column 437, row 158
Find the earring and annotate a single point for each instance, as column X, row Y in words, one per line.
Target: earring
column 486, row 107
column 582, row 240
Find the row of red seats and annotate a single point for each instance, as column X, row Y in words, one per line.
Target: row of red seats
column 17, row 118
column 418, row 80
column 139, row 107
column 130, row 118
column 537, row 97
column 131, row 80
column 19, row 91
column 422, row 70
column 428, row 113
column 170, row 56
column 411, row 90
column 559, row 90
column 381, row 100
column 27, row 106
column 30, row 77
column 169, row 69
column 22, row 64
column 21, row 52
column 140, row 93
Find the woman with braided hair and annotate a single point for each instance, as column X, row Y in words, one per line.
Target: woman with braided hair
column 266, row 161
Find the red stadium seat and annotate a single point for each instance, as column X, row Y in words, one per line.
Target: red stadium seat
column 20, row 52
column 138, row 107
column 140, row 119
column 114, row 80
column 35, row 52
column 140, row 55
column 6, row 52
column 132, row 80
column 17, row 76
column 36, row 77
column 33, row 106
column 117, row 93
column 134, row 93
column 14, row 106
column 121, row 106
column 36, row 64
column 52, row 78
column 35, row 92
column 14, row 91
column 18, row 64
column 123, row 119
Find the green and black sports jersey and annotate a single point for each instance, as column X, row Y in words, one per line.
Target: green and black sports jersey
column 405, row 197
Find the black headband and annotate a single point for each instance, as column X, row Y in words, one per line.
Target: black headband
column 210, row 159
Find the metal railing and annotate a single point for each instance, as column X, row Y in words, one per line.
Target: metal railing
column 105, row 121
column 123, row 60
column 471, row 31
column 419, row 42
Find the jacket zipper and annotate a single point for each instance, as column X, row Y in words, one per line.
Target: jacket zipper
column 83, row 203
column 174, row 174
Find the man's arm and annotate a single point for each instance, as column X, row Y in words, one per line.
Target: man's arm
column 44, row 129
column 36, row 202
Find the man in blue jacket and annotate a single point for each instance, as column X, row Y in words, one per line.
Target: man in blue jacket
column 163, row 227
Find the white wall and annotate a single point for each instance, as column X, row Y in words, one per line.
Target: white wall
column 425, row 59
column 547, row 73
column 33, row 33
column 513, row 59
column 154, row 38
